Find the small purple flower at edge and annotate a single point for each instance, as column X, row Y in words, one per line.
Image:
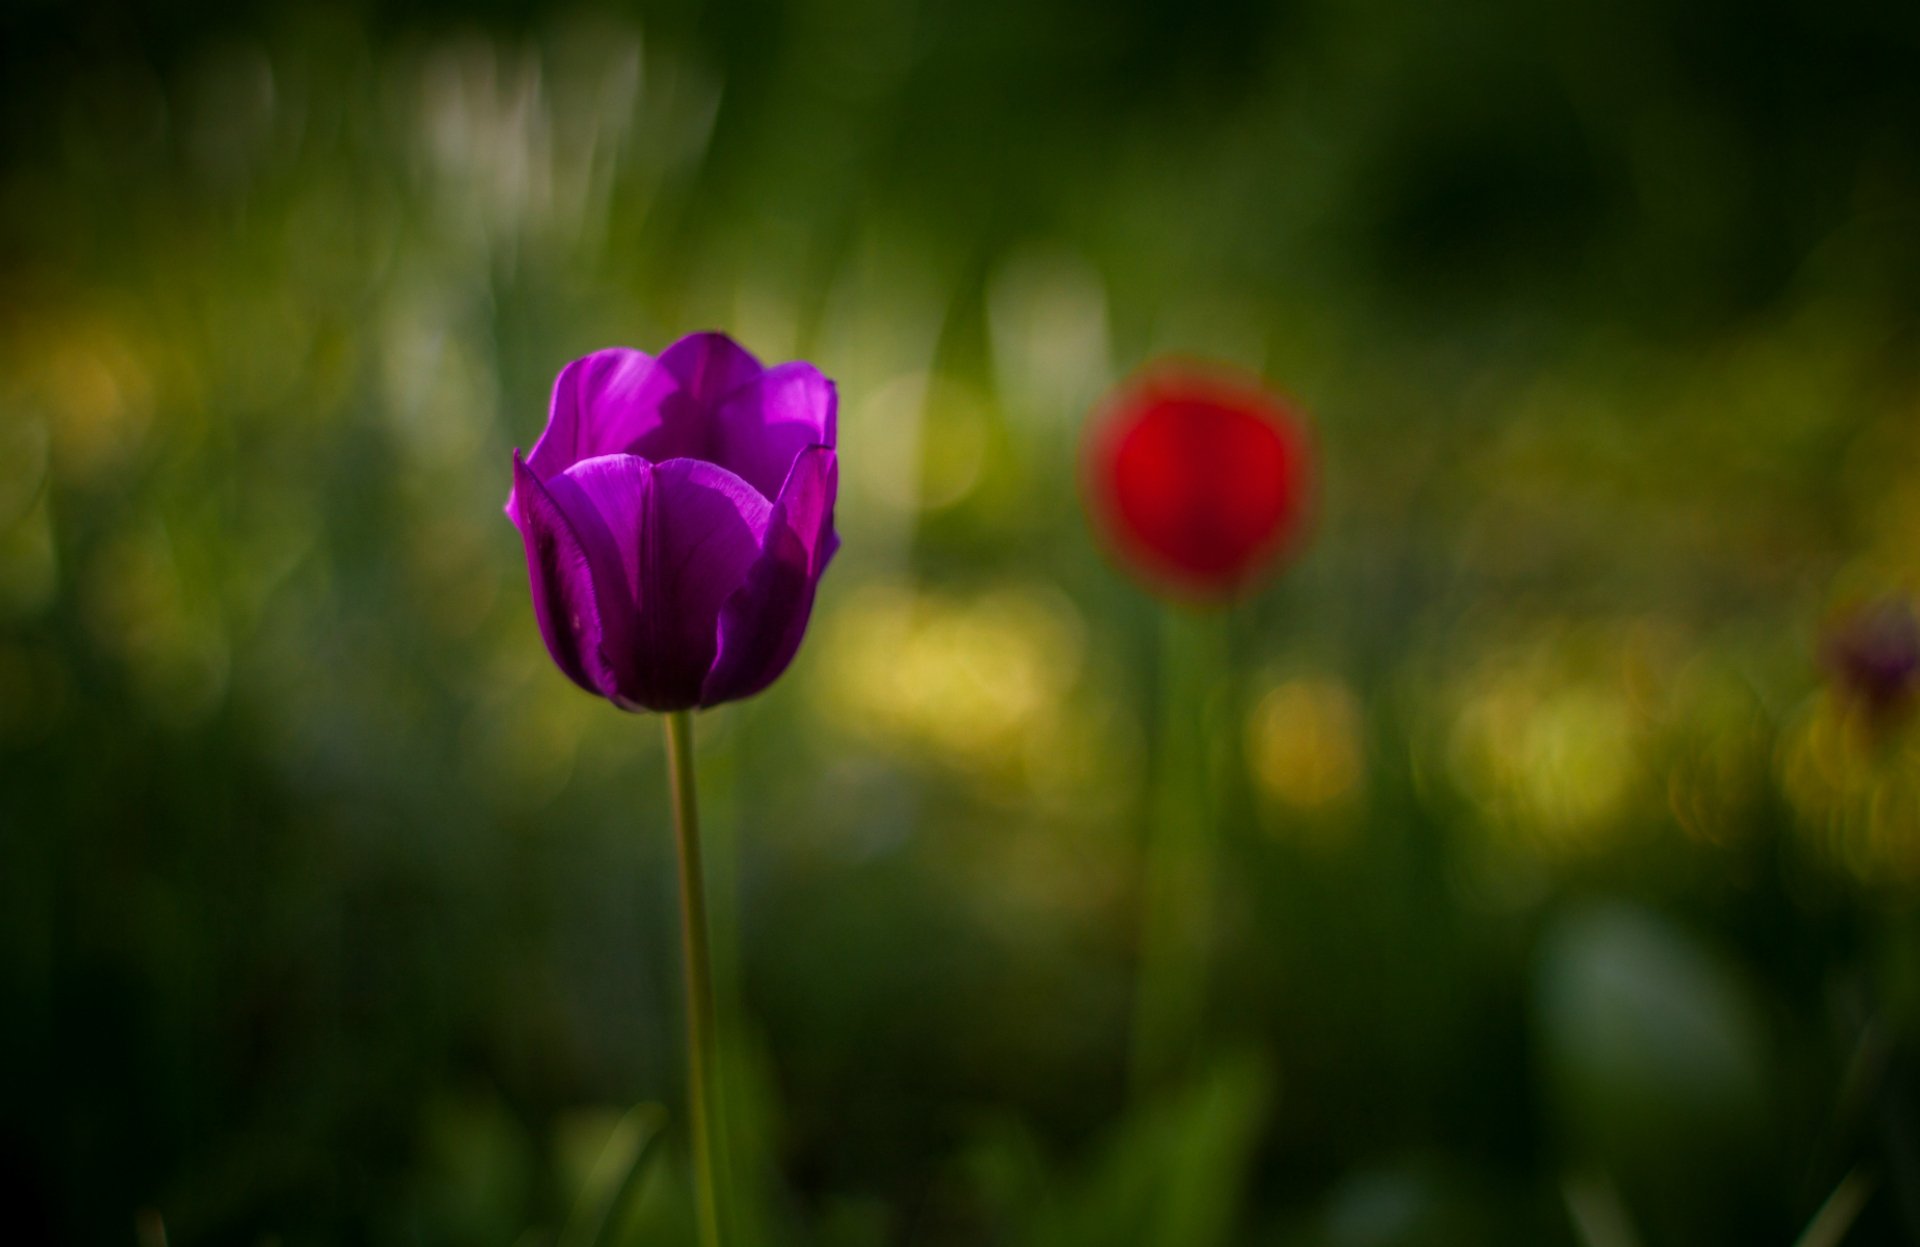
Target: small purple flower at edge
column 1873, row 653
column 677, row 514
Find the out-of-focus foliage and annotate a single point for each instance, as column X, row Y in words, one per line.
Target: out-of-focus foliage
column 1561, row 897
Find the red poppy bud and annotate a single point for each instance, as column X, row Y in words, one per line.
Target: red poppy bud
column 1198, row 481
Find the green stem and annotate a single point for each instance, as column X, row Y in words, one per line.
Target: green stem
column 1176, row 867
column 702, row 1046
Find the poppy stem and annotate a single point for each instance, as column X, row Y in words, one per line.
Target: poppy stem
column 702, row 1040
column 1176, row 865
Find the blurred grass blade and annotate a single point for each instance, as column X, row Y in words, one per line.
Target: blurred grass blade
column 150, row 1228
column 750, row 1111
column 1177, row 859
column 1205, row 1172
column 1598, row 1213
column 1830, row 1224
column 616, row 1175
column 1174, row 1175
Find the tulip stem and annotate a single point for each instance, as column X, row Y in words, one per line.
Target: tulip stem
column 702, row 1041
column 1176, row 861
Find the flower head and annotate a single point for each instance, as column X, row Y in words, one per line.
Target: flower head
column 1873, row 653
column 1197, row 480
column 677, row 514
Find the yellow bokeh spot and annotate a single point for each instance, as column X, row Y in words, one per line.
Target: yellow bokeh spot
column 1856, row 789
column 99, row 396
column 166, row 632
column 983, row 684
column 991, row 688
column 1550, row 752
column 1304, row 743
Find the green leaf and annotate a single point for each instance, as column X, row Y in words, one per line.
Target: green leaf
column 624, row 1160
column 1835, row 1217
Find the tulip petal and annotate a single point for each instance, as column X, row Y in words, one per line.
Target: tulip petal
column 705, row 531
column 565, row 602
column 706, row 367
column 602, row 405
column 669, row 412
column 705, row 397
column 607, row 500
column 762, row 426
column 685, row 392
column 763, row 621
column 623, row 401
column 665, row 546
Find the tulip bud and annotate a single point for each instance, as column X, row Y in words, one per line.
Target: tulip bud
column 677, row 514
column 1198, row 482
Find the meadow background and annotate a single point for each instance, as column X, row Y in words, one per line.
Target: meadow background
column 1564, row 898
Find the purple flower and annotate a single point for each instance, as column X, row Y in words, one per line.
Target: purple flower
column 1873, row 652
column 677, row 514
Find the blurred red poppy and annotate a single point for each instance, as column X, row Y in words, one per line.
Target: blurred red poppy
column 1198, row 480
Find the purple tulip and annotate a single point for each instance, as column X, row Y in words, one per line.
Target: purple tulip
column 677, row 514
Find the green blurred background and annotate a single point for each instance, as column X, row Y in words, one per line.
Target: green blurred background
column 1562, row 895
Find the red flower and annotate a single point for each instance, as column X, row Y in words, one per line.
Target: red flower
column 1199, row 481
